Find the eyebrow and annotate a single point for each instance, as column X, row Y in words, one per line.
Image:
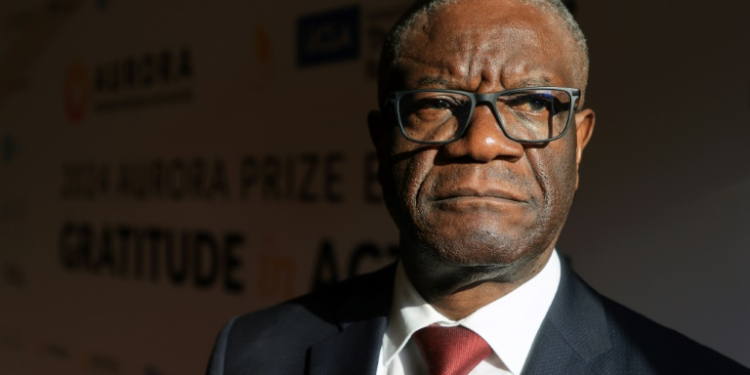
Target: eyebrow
column 527, row 82
column 534, row 82
column 433, row 81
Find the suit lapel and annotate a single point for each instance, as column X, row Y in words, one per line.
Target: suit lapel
column 552, row 354
column 353, row 351
column 573, row 333
column 362, row 321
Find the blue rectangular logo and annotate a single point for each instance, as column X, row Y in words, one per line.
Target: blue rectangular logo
column 330, row 36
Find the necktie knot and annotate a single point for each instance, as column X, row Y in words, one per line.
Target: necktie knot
column 451, row 350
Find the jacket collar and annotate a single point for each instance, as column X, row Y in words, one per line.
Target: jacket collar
column 362, row 320
column 574, row 332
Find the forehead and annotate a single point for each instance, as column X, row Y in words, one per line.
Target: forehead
column 497, row 44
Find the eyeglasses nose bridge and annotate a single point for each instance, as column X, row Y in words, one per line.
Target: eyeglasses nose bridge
column 491, row 101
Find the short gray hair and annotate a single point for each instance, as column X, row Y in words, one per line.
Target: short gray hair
column 395, row 41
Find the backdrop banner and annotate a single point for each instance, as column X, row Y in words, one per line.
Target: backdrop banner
column 166, row 165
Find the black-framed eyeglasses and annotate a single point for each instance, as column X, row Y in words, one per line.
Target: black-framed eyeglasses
column 526, row 115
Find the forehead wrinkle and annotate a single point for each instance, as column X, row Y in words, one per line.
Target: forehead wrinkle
column 491, row 55
column 530, row 65
column 428, row 70
column 420, row 72
column 461, row 63
column 485, row 15
column 523, row 74
column 473, row 61
column 464, row 55
column 497, row 50
column 490, row 72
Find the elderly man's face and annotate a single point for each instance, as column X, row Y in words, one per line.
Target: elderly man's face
column 483, row 199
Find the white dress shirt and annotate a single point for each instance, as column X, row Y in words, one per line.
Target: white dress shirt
column 508, row 324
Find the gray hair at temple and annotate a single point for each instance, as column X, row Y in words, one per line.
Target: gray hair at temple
column 395, row 41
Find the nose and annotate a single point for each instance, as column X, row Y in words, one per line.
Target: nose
column 484, row 140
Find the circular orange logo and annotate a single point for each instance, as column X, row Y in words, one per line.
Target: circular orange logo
column 76, row 92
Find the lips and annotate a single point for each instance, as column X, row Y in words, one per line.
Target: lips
column 468, row 192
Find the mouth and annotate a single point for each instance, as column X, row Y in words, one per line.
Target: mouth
column 469, row 194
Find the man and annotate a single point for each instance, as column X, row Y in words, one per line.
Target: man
column 479, row 137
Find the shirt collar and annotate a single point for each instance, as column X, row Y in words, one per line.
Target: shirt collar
column 509, row 324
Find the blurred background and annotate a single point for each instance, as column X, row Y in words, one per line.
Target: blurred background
column 165, row 165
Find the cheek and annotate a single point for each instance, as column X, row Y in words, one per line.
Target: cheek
column 555, row 172
column 403, row 173
column 409, row 176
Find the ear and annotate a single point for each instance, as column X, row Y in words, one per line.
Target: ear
column 585, row 121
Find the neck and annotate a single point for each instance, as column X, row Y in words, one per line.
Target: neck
column 457, row 291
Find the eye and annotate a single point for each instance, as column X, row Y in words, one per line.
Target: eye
column 537, row 103
column 533, row 103
column 435, row 103
column 433, row 106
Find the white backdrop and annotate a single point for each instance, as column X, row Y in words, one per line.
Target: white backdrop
column 166, row 165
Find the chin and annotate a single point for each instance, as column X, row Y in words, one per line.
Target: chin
column 482, row 248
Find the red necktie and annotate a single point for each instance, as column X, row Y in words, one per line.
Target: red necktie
column 451, row 350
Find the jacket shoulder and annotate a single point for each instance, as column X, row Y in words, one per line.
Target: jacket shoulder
column 277, row 339
column 665, row 351
column 587, row 333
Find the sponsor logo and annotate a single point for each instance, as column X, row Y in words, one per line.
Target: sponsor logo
column 151, row 79
column 328, row 37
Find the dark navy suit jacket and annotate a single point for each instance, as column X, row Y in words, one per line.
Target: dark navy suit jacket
column 339, row 330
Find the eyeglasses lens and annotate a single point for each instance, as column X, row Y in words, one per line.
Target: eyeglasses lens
column 532, row 115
